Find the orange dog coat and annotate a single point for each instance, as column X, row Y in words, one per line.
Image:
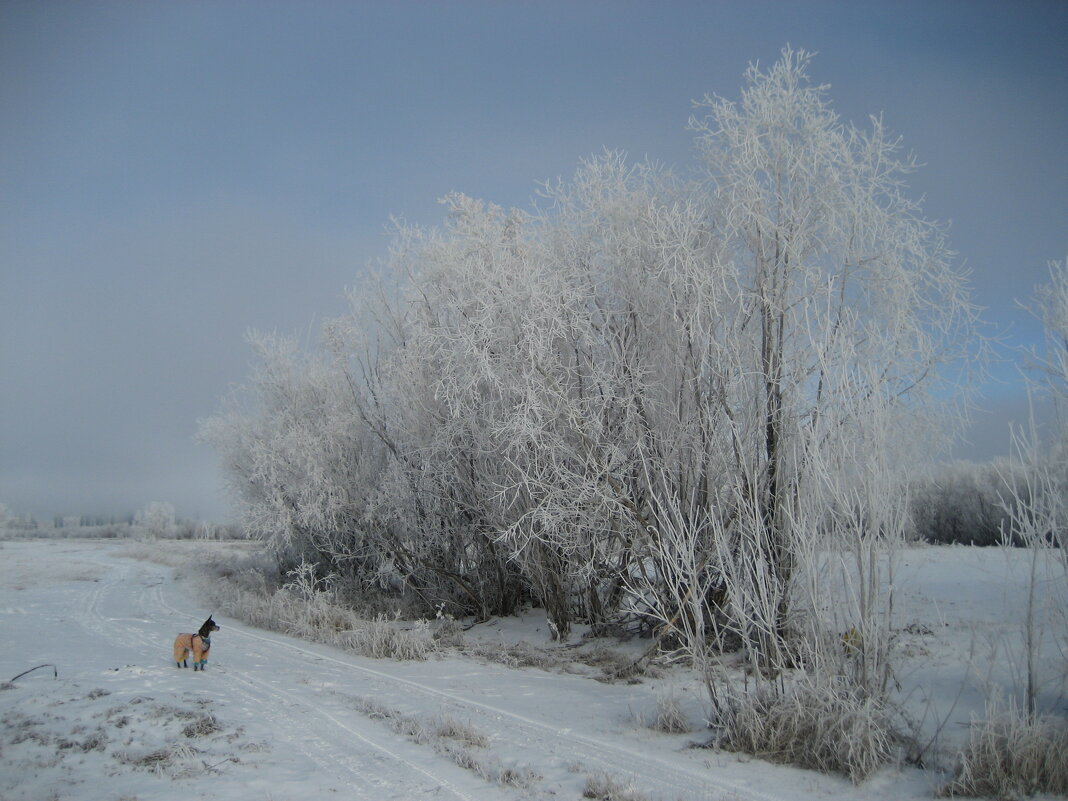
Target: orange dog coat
column 186, row 643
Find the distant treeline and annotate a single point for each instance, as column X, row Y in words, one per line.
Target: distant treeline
column 116, row 528
column 967, row 503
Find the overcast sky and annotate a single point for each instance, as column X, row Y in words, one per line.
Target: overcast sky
column 173, row 174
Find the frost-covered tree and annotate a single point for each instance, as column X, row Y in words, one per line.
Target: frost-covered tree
column 606, row 378
column 301, row 463
column 433, row 396
column 1050, row 307
column 1036, row 496
column 850, row 324
column 158, row 517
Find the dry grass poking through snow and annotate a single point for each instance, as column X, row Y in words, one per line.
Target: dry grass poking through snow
column 670, row 717
column 61, row 734
column 614, row 666
column 1008, row 757
column 823, row 726
column 242, row 582
column 452, row 729
column 604, row 788
column 383, row 638
column 455, row 740
column 237, row 584
column 177, row 760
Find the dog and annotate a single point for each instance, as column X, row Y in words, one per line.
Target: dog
column 199, row 644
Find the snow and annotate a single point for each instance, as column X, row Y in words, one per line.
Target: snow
column 276, row 718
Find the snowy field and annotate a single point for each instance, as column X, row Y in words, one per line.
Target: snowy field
column 277, row 719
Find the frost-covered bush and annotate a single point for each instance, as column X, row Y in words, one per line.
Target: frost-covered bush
column 822, row 725
column 645, row 387
column 383, row 638
column 964, row 503
column 157, row 518
column 1010, row 756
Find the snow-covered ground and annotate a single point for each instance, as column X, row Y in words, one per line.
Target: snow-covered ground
column 278, row 719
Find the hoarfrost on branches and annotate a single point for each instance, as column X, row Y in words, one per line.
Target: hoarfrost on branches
column 647, row 393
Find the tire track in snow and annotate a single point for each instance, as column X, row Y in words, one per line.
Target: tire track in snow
column 88, row 614
column 306, row 738
column 349, row 759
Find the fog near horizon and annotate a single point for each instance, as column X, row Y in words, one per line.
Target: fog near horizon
column 177, row 175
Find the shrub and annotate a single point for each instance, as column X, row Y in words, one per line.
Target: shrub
column 822, row 725
column 382, row 638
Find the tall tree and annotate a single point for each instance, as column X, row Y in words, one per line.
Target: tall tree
column 850, row 309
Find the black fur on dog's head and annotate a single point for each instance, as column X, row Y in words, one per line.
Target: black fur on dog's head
column 208, row 627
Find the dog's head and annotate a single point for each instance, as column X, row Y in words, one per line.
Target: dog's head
column 208, row 627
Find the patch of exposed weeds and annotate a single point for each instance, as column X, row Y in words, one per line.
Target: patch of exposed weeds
column 453, row 739
column 53, row 732
column 602, row 787
column 521, row 655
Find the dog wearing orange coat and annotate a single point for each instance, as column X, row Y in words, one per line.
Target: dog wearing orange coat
column 199, row 644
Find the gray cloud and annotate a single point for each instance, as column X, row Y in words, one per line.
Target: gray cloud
column 176, row 174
